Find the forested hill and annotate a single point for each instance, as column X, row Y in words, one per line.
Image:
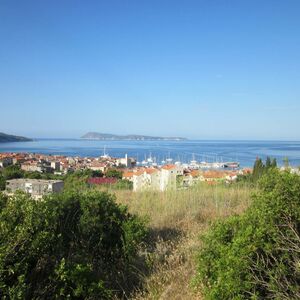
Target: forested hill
column 108, row 136
column 5, row 138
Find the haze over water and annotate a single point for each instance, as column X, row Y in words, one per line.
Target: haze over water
column 244, row 152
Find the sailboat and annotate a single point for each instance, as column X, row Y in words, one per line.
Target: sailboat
column 169, row 159
column 105, row 155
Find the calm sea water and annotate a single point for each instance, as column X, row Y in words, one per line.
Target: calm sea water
column 243, row 151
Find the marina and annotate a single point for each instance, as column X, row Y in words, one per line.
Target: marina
column 197, row 153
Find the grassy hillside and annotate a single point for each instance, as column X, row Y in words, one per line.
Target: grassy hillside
column 176, row 220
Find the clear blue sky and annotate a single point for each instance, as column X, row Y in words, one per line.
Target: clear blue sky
column 200, row 69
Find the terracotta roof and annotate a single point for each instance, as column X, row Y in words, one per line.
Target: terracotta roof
column 194, row 173
column 138, row 172
column 168, row 167
column 151, row 170
column 98, row 164
column 128, row 174
column 214, row 174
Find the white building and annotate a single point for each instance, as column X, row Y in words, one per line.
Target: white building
column 55, row 165
column 169, row 175
column 154, row 179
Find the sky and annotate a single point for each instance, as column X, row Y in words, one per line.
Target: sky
column 214, row 69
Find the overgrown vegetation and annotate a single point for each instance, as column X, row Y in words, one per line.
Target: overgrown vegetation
column 175, row 220
column 248, row 252
column 72, row 245
column 256, row 255
column 259, row 169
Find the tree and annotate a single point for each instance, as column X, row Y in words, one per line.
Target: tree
column 12, row 172
column 256, row 255
column 268, row 164
column 258, row 169
column 274, row 163
column 114, row 173
column 33, row 175
column 2, row 182
column 97, row 173
column 71, row 245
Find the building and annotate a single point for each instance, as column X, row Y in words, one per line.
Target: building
column 98, row 166
column 146, row 179
column 32, row 166
column 168, row 178
column 35, row 187
column 127, row 162
column 191, row 177
column 55, row 165
column 159, row 179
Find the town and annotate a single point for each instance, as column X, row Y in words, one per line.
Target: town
column 148, row 176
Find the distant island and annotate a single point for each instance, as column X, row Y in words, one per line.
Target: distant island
column 130, row 137
column 7, row 138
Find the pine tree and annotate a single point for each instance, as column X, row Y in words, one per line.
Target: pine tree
column 274, row 163
column 258, row 169
column 268, row 163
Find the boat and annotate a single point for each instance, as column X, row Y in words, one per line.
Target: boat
column 105, row 155
column 232, row 165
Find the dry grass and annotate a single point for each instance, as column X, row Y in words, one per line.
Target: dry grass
column 177, row 218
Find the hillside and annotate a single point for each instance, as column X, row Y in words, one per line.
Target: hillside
column 6, row 138
column 134, row 137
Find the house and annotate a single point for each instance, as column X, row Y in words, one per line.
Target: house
column 140, row 181
column 36, row 166
column 35, row 187
column 191, row 177
column 169, row 174
column 231, row 176
column 31, row 166
column 55, row 165
column 150, row 178
column 128, row 175
column 98, row 166
column 143, row 178
column 214, row 176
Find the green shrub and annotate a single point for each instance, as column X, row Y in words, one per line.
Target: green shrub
column 123, row 184
column 2, row 182
column 256, row 255
column 72, row 245
column 12, row 172
column 114, row 173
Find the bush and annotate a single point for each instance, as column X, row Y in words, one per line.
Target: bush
column 12, row 172
column 72, row 245
column 76, row 181
column 2, row 182
column 256, row 255
column 114, row 173
column 123, row 184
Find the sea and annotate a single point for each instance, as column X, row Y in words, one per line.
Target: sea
column 244, row 152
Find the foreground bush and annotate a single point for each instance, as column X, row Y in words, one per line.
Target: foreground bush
column 256, row 255
column 73, row 245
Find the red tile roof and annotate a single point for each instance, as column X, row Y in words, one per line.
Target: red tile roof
column 168, row 167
